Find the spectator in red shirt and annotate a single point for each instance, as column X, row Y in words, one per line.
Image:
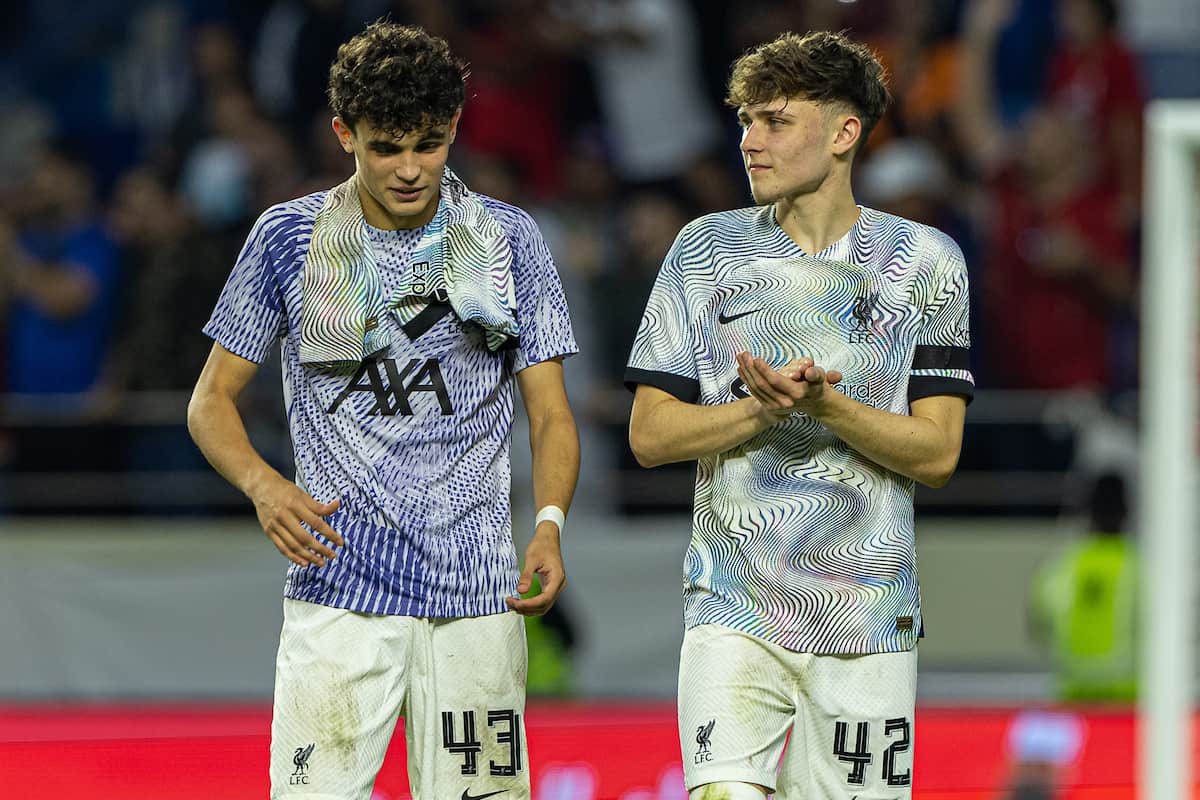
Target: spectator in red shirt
column 1059, row 270
column 518, row 93
column 1095, row 77
column 1059, row 274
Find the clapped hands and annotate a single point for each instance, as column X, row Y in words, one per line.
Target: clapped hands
column 800, row 385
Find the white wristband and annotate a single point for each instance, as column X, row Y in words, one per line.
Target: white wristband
column 554, row 514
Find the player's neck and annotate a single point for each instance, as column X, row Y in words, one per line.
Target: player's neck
column 816, row 220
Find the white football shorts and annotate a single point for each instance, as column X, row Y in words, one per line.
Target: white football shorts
column 343, row 678
column 847, row 721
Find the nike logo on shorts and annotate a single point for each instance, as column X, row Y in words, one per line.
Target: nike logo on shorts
column 466, row 795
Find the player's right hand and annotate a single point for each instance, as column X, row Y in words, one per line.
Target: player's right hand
column 799, row 386
column 798, row 369
column 283, row 510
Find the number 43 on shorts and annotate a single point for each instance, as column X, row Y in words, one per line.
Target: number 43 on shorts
column 897, row 731
column 469, row 745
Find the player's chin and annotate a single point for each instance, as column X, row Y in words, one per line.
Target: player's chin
column 761, row 197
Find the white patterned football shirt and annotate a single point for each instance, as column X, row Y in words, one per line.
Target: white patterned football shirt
column 796, row 537
column 415, row 441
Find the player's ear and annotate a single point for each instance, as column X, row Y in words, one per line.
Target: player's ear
column 344, row 134
column 849, row 130
column 454, row 125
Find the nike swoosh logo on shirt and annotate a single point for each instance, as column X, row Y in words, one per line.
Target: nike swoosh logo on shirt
column 724, row 320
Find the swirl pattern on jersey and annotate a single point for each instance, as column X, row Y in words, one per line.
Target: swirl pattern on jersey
column 341, row 288
column 796, row 537
column 466, row 256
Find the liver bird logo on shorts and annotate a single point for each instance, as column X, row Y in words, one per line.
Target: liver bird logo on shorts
column 704, row 736
column 301, row 758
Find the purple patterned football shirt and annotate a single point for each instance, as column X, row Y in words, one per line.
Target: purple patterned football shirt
column 415, row 441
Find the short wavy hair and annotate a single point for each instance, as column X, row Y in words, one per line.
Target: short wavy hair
column 397, row 78
column 824, row 67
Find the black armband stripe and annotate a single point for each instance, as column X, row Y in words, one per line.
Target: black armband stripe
column 930, row 357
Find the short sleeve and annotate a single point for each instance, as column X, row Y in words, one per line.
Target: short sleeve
column 542, row 312
column 942, row 356
column 663, row 355
column 249, row 317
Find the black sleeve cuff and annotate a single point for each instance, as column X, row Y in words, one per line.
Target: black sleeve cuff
column 928, row 386
column 685, row 389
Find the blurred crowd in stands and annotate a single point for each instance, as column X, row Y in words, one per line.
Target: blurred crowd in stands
column 141, row 140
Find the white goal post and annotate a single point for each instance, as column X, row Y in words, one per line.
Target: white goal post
column 1167, row 472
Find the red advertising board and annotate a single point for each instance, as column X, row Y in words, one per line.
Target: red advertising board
column 612, row 751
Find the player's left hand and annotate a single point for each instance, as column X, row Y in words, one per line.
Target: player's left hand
column 543, row 556
column 801, row 385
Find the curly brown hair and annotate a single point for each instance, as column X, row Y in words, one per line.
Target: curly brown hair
column 821, row 66
column 397, row 78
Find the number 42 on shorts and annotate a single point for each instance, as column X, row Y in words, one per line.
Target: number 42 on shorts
column 897, row 731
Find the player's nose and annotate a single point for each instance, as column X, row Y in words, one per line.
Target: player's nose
column 408, row 168
column 751, row 140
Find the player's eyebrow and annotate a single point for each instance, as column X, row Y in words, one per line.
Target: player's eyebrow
column 763, row 113
column 384, row 143
column 775, row 111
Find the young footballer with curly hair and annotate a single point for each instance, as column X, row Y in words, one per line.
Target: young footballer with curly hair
column 408, row 309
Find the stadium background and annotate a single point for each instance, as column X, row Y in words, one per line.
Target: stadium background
column 140, row 140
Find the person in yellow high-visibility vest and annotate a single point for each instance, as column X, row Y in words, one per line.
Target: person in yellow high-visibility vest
column 1084, row 605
